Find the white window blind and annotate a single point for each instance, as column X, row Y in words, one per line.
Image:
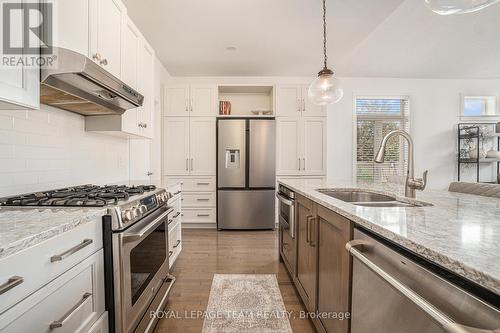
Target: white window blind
column 375, row 117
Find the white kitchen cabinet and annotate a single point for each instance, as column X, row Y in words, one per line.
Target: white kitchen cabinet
column 202, row 146
column 288, row 146
column 101, row 325
column 190, row 100
column 106, row 18
column 176, row 146
column 19, row 85
column 292, row 101
column 189, row 146
column 146, row 87
column 71, row 25
column 301, row 146
column 140, row 161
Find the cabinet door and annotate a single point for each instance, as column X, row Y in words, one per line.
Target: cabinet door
column 71, row 25
column 308, row 108
column 19, row 85
column 108, row 35
column 130, row 61
column 203, row 100
column 202, row 146
column 334, row 268
column 306, row 252
column 177, row 100
column 176, row 146
column 287, row 146
column 140, row 163
column 313, row 143
column 288, row 100
column 146, row 87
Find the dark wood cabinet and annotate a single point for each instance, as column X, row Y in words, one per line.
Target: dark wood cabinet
column 334, row 269
column 305, row 277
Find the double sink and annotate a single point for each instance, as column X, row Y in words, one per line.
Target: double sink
column 370, row 199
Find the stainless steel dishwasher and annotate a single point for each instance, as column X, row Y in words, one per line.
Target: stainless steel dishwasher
column 392, row 293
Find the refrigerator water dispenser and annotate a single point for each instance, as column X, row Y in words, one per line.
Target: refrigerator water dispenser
column 232, row 158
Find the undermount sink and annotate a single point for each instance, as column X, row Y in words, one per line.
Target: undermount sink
column 369, row 199
column 357, row 196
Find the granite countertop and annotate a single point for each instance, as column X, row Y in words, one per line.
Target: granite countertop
column 460, row 232
column 23, row 227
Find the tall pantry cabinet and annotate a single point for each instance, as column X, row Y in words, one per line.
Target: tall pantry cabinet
column 189, row 149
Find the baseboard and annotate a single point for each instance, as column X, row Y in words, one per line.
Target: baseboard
column 199, row 226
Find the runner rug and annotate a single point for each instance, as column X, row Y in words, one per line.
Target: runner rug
column 245, row 303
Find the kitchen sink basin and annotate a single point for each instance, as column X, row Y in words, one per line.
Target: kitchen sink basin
column 370, row 199
column 357, row 196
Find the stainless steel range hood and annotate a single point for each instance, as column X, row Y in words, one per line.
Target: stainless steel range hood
column 79, row 85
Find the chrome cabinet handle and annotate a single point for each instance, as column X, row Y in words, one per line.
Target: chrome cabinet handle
column 175, row 193
column 303, row 105
column 298, row 104
column 104, row 62
column 177, row 244
column 192, row 164
column 310, row 220
column 442, row 319
column 203, row 215
column 96, row 57
column 304, row 164
column 202, row 183
column 11, row 283
column 187, row 164
column 60, row 323
column 149, row 173
column 299, row 164
column 170, row 221
column 177, row 214
column 191, row 101
column 202, row 199
column 187, row 105
column 170, row 253
column 73, row 250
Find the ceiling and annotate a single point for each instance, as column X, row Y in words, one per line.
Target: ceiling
column 382, row 38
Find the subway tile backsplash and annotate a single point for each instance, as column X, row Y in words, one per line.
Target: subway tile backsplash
column 49, row 148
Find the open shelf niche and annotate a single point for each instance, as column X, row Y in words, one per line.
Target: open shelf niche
column 247, row 98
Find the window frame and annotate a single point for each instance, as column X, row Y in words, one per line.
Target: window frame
column 407, row 120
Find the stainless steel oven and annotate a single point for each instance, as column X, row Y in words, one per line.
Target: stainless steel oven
column 286, row 209
column 139, row 281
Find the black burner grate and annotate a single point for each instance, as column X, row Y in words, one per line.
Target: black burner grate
column 85, row 195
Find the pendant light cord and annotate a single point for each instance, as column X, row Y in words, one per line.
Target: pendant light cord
column 324, row 34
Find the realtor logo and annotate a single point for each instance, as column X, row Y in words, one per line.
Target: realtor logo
column 27, row 28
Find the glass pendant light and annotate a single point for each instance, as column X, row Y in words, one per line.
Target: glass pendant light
column 449, row 7
column 325, row 89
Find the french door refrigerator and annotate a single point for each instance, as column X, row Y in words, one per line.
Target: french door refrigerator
column 246, row 154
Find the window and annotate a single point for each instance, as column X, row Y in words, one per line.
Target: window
column 375, row 117
column 479, row 106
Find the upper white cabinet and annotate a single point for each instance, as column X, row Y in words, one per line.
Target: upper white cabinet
column 71, row 25
column 190, row 100
column 146, row 87
column 130, row 44
column 19, row 85
column 189, row 146
column 292, row 101
column 106, row 34
column 301, row 146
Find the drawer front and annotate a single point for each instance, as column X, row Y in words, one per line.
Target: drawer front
column 198, row 215
column 71, row 303
column 175, row 244
column 198, row 199
column 174, row 189
column 193, row 184
column 42, row 263
column 176, row 213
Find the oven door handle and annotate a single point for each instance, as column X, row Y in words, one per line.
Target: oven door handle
column 284, row 200
column 147, row 227
column 442, row 319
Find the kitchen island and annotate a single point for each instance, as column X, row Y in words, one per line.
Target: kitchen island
column 454, row 234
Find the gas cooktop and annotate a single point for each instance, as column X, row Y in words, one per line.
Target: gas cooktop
column 84, row 195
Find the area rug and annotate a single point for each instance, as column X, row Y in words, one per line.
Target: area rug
column 245, row 303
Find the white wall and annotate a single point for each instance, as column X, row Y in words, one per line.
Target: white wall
column 434, row 112
column 49, row 148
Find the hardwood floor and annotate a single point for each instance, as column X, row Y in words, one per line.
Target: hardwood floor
column 206, row 252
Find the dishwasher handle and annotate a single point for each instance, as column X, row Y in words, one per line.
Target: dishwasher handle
column 442, row 319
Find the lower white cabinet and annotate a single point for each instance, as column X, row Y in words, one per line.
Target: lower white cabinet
column 71, row 303
column 175, row 222
column 101, row 325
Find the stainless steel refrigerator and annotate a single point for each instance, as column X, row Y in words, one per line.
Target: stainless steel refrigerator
column 246, row 155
